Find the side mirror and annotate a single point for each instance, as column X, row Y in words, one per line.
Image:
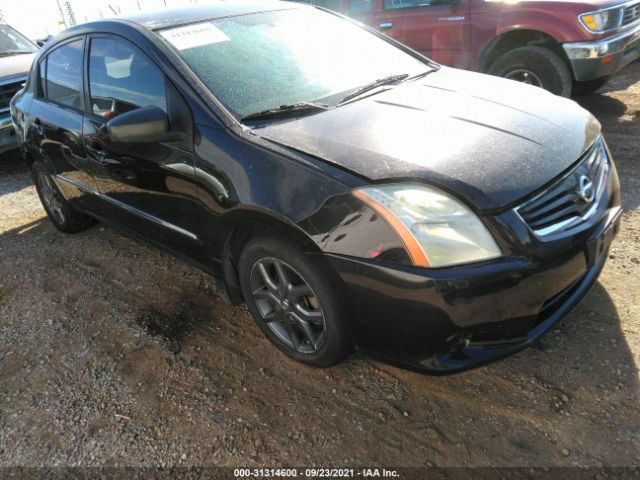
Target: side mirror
column 142, row 125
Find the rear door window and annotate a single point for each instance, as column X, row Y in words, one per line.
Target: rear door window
column 61, row 74
column 122, row 78
column 358, row 7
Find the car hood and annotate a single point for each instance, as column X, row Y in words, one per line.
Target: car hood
column 15, row 65
column 489, row 140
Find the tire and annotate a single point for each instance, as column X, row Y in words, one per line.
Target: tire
column 590, row 86
column 542, row 66
column 61, row 214
column 278, row 313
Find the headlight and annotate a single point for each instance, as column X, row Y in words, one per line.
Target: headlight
column 602, row 20
column 436, row 229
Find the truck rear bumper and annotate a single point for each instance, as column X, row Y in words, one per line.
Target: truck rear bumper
column 591, row 60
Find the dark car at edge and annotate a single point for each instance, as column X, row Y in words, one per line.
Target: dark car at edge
column 353, row 193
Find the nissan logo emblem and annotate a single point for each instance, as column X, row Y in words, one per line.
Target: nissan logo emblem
column 586, row 190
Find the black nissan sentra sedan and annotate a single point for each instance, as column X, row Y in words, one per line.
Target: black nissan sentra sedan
column 353, row 193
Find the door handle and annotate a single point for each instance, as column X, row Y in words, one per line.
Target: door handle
column 386, row 25
column 38, row 127
column 96, row 151
column 451, row 19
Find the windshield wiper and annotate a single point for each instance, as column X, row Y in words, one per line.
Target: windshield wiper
column 286, row 110
column 391, row 79
column 6, row 53
column 420, row 75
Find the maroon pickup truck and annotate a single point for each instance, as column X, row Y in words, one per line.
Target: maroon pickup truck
column 564, row 46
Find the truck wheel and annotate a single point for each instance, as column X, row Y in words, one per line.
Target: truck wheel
column 590, row 86
column 535, row 66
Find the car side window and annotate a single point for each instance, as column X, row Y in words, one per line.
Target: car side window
column 122, row 78
column 61, row 74
column 360, row 6
column 335, row 5
column 397, row 4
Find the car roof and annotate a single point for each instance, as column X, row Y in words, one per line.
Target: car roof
column 200, row 12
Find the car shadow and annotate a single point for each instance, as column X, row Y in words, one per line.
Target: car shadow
column 12, row 165
column 605, row 108
column 11, row 162
column 619, row 82
column 624, row 79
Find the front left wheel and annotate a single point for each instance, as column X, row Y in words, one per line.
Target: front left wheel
column 292, row 298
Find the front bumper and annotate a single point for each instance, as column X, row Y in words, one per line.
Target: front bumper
column 451, row 319
column 8, row 140
column 591, row 60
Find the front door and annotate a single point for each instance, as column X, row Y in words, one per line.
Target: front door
column 146, row 187
column 439, row 29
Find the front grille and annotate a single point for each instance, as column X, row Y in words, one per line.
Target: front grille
column 8, row 89
column 568, row 204
column 630, row 14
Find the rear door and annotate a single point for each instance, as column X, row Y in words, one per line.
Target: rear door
column 439, row 29
column 56, row 117
column 145, row 187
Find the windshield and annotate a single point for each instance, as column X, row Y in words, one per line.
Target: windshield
column 261, row 61
column 12, row 42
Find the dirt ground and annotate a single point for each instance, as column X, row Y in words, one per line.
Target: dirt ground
column 113, row 353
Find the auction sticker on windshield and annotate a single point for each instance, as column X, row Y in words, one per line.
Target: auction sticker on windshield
column 193, row 36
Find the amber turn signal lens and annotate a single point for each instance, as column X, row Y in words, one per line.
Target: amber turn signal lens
column 590, row 22
column 410, row 243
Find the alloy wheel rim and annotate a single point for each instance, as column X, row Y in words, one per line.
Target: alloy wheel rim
column 524, row 76
column 51, row 198
column 288, row 305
